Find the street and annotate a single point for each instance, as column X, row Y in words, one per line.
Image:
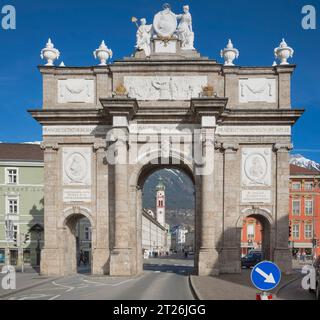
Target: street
column 294, row 291
column 163, row 279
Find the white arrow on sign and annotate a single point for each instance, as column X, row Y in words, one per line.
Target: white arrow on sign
column 268, row 278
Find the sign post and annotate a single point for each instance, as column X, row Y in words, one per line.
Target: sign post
column 265, row 276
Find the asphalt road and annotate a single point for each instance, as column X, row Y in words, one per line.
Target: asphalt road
column 163, row 279
column 294, row 291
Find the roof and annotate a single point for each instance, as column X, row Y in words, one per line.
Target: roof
column 20, row 152
column 300, row 171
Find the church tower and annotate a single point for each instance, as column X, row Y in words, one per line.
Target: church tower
column 161, row 202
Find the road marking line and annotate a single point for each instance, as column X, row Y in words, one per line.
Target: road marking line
column 61, row 285
column 121, row 283
column 82, row 287
column 55, row 297
column 49, row 289
column 98, row 283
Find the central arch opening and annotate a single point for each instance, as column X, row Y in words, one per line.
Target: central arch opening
column 78, row 239
column 168, row 219
column 255, row 240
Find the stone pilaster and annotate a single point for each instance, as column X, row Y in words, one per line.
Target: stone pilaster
column 284, row 87
column 282, row 254
column 51, row 255
column 208, row 255
column 101, row 251
column 230, row 255
column 120, row 263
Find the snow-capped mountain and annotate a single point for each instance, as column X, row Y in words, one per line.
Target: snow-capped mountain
column 301, row 161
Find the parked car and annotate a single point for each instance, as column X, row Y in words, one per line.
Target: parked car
column 317, row 269
column 251, row 259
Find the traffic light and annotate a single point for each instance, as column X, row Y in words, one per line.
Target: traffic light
column 290, row 231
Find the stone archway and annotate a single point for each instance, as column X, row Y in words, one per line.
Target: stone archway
column 139, row 176
column 147, row 165
column 70, row 243
column 267, row 229
column 239, row 119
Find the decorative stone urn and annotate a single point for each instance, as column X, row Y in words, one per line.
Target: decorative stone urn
column 103, row 53
column 229, row 54
column 283, row 53
column 50, row 53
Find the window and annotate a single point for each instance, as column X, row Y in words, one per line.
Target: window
column 308, row 186
column 11, row 176
column 308, row 231
column 87, row 233
column 296, row 231
column 12, row 206
column 296, row 207
column 250, row 231
column 296, row 186
column 309, row 207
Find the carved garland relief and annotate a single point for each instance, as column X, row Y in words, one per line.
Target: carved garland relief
column 257, row 90
column 76, row 91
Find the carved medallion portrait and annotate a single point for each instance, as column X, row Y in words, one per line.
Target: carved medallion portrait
column 77, row 166
column 256, row 167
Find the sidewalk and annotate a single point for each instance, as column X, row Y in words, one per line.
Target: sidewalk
column 27, row 280
column 231, row 286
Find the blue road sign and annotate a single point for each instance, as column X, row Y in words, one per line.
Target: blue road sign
column 266, row 276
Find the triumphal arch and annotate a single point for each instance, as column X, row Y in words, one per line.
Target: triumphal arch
column 107, row 127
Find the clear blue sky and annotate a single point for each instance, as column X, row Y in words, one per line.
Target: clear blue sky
column 77, row 28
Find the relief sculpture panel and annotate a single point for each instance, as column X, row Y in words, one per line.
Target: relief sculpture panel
column 77, row 166
column 165, row 88
column 257, row 90
column 256, row 167
column 76, row 91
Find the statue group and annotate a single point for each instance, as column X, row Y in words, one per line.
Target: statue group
column 165, row 26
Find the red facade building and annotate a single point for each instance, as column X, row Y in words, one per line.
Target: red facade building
column 304, row 211
column 304, row 216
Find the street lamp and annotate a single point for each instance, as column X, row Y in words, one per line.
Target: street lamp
column 38, row 229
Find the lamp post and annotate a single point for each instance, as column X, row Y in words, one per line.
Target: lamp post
column 37, row 229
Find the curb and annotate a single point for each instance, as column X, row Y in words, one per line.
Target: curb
column 193, row 289
column 6, row 295
column 287, row 284
column 198, row 296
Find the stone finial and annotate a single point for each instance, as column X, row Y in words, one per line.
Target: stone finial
column 229, row 54
column 103, row 53
column 283, row 53
column 62, row 64
column 274, row 63
column 50, row 53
